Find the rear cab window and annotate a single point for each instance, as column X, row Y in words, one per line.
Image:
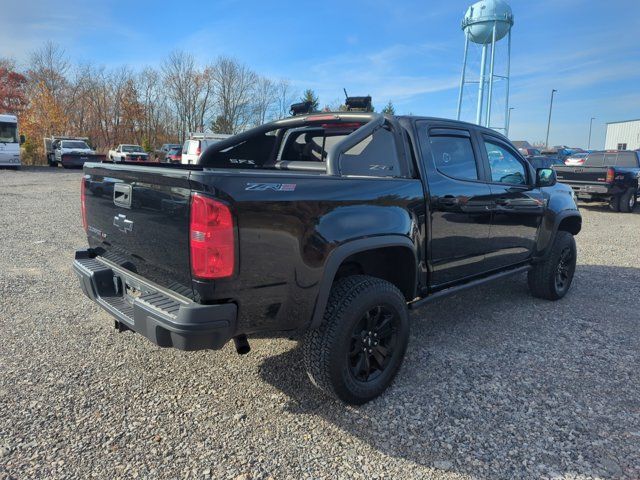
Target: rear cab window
column 627, row 159
column 375, row 156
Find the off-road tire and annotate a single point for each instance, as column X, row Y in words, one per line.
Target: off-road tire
column 542, row 278
column 628, row 200
column 327, row 348
column 614, row 203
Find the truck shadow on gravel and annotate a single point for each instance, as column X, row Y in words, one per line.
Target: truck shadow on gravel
column 604, row 208
column 498, row 384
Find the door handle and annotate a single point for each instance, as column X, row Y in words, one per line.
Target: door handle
column 449, row 201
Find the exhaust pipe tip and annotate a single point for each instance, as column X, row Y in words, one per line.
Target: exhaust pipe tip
column 242, row 344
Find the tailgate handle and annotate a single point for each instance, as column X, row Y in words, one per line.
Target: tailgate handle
column 122, row 195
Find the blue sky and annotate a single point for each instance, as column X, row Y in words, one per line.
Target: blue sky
column 409, row 52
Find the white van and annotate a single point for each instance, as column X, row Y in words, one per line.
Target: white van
column 197, row 144
column 10, row 141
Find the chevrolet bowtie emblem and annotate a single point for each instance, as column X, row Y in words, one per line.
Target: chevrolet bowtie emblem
column 121, row 223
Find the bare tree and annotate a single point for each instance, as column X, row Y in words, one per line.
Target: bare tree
column 180, row 78
column 265, row 100
column 234, row 85
column 50, row 65
column 285, row 97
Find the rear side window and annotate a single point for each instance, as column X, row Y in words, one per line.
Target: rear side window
column 375, row 156
column 454, row 156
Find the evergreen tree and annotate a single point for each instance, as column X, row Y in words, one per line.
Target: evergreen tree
column 310, row 96
column 389, row 109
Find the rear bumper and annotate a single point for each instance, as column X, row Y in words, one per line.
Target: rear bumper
column 589, row 189
column 165, row 318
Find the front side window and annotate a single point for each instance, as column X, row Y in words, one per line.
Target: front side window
column 8, row 132
column 454, row 156
column 504, row 166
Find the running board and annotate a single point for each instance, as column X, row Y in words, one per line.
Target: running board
column 459, row 288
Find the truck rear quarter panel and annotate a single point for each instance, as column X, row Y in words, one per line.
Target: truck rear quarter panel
column 287, row 229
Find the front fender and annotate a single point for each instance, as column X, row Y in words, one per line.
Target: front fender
column 560, row 207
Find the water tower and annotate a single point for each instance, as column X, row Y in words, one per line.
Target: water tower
column 486, row 23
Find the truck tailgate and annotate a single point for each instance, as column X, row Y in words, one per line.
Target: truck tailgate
column 138, row 217
column 580, row 174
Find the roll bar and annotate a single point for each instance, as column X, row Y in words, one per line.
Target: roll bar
column 350, row 141
column 374, row 121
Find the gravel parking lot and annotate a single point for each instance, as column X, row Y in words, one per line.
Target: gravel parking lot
column 496, row 384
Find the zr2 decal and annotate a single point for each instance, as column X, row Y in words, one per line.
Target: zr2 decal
column 276, row 187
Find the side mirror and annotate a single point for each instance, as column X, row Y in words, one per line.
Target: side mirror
column 545, row 177
column 22, row 139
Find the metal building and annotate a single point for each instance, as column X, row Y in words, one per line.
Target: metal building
column 623, row 135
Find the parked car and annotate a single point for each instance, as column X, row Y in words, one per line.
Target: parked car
column 10, row 142
column 610, row 176
column 558, row 152
column 197, row 144
column 576, row 159
column 163, row 151
column 318, row 226
column 128, row 153
column 174, row 155
column 529, row 152
column 69, row 151
column 540, row 161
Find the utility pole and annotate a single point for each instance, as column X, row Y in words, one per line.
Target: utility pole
column 590, row 125
column 546, row 143
column 506, row 130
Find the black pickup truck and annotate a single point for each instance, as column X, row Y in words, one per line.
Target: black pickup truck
column 324, row 227
column 611, row 176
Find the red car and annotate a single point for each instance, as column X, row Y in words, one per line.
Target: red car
column 174, row 155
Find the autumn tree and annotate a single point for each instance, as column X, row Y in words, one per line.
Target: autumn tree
column 13, row 95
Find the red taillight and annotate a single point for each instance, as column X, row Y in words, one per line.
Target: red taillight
column 198, row 150
column 83, row 207
column 211, row 238
column 610, row 175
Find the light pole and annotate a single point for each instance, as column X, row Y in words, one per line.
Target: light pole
column 590, row 125
column 546, row 143
column 506, row 129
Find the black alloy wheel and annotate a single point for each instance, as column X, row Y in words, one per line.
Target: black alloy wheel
column 373, row 343
column 564, row 271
